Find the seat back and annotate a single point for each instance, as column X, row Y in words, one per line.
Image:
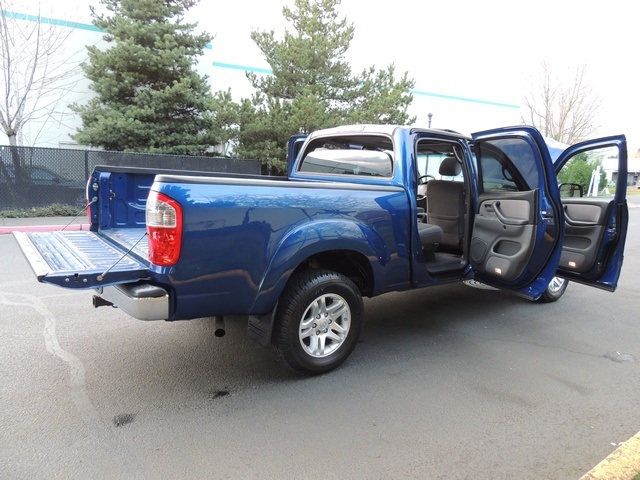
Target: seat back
column 446, row 204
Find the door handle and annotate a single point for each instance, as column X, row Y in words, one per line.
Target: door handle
column 577, row 223
column 508, row 220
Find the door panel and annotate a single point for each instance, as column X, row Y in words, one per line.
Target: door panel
column 580, row 213
column 595, row 226
column 583, row 233
column 504, row 233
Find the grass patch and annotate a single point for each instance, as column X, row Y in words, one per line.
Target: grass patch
column 55, row 210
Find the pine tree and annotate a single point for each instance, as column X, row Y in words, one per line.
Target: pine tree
column 312, row 85
column 149, row 97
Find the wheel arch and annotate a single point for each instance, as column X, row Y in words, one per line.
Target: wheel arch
column 353, row 250
column 352, row 264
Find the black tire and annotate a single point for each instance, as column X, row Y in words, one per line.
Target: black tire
column 318, row 321
column 554, row 291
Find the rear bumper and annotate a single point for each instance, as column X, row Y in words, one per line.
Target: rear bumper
column 140, row 300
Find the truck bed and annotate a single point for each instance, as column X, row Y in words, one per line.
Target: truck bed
column 133, row 239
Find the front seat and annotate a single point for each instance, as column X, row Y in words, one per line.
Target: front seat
column 430, row 236
column 446, row 204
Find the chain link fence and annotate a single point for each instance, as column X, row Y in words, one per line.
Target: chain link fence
column 36, row 177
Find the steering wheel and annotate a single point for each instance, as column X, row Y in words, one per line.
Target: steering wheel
column 423, row 180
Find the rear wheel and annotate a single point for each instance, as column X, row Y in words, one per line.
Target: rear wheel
column 554, row 291
column 318, row 321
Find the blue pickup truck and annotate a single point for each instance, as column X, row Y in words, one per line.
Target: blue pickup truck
column 364, row 210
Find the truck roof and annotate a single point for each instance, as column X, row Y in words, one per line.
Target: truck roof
column 384, row 129
column 555, row 147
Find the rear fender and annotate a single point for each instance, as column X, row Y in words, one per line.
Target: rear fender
column 312, row 239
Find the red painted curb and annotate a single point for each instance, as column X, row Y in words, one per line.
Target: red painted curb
column 43, row 228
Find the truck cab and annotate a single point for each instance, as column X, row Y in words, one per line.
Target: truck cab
column 486, row 206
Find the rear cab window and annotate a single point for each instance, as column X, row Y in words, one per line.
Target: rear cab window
column 349, row 155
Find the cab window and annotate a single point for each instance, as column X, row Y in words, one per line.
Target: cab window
column 363, row 155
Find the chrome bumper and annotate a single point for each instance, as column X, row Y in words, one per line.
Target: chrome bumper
column 140, row 300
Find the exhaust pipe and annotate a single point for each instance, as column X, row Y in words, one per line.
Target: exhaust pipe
column 218, row 326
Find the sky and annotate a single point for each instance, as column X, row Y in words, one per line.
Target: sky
column 481, row 56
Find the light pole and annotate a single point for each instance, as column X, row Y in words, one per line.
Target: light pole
column 430, row 115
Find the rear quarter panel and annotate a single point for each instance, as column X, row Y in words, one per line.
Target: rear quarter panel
column 242, row 239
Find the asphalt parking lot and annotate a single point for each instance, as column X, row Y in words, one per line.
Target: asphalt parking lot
column 451, row 382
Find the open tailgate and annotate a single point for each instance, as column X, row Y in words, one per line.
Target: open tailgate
column 80, row 259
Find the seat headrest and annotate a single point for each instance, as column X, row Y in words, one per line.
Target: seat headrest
column 450, row 167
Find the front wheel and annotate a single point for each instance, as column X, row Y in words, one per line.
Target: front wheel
column 318, row 321
column 554, row 291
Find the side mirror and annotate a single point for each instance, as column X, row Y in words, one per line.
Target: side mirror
column 570, row 190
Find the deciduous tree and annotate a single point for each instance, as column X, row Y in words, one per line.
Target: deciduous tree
column 562, row 109
column 37, row 72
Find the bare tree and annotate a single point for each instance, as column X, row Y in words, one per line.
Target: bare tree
column 564, row 110
column 37, row 70
column 37, row 73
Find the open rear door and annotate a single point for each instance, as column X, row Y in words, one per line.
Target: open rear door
column 596, row 218
column 517, row 230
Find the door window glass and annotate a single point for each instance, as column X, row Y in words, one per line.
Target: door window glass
column 507, row 164
column 592, row 173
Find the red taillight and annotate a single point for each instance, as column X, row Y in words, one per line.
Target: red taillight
column 164, row 227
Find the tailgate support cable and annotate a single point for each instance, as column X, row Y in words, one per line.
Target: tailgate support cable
column 104, row 274
column 93, row 200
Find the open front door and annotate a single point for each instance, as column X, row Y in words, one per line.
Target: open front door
column 517, row 230
column 595, row 212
